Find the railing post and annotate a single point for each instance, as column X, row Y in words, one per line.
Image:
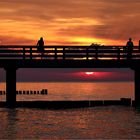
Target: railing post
column 96, row 52
column 86, row 53
column 118, row 56
column 23, row 52
column 139, row 44
column 55, row 53
column 63, row 53
column 30, row 52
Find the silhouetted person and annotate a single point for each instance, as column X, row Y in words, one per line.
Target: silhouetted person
column 139, row 44
column 40, row 45
column 129, row 46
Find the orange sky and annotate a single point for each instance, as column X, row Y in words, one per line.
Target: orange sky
column 73, row 22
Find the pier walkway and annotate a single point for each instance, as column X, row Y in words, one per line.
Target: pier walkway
column 15, row 57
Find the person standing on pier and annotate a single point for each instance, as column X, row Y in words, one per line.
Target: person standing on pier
column 139, row 44
column 129, row 46
column 40, row 45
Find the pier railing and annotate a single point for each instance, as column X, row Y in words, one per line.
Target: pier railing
column 69, row 52
column 14, row 57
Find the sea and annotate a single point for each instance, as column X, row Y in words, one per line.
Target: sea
column 105, row 122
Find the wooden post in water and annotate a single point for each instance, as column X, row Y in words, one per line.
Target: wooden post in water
column 137, row 87
column 20, row 92
column 23, row 92
column 10, row 86
column 28, row 92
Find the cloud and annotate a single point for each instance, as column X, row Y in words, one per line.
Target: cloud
column 8, row 40
column 63, row 22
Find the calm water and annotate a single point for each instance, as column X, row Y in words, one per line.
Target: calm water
column 88, row 123
column 76, row 91
column 112, row 122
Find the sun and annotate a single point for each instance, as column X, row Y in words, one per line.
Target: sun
column 89, row 73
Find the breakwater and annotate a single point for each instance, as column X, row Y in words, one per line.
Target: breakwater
column 28, row 92
column 71, row 104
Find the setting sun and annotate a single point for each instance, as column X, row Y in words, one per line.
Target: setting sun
column 89, row 73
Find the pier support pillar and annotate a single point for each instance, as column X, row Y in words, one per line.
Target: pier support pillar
column 11, row 87
column 137, row 87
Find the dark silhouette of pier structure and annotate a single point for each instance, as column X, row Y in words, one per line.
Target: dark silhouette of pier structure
column 15, row 57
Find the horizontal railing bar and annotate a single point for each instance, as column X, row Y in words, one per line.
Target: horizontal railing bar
column 71, row 47
column 101, row 54
column 66, row 56
column 68, row 51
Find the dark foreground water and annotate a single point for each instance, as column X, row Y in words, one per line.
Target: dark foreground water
column 112, row 122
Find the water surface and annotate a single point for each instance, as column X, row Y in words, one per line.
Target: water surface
column 87, row 123
column 77, row 90
column 111, row 122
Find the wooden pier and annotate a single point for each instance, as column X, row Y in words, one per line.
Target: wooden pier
column 15, row 57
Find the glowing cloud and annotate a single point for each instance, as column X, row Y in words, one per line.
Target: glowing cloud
column 72, row 22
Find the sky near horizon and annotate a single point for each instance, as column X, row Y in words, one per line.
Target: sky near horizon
column 74, row 22
column 71, row 75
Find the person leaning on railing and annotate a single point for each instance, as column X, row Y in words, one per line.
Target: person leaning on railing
column 139, row 44
column 129, row 48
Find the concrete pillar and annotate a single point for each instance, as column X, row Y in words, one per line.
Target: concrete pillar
column 137, row 87
column 10, row 87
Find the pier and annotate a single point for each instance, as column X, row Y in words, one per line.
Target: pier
column 14, row 57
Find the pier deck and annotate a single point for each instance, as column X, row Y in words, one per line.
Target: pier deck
column 15, row 57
